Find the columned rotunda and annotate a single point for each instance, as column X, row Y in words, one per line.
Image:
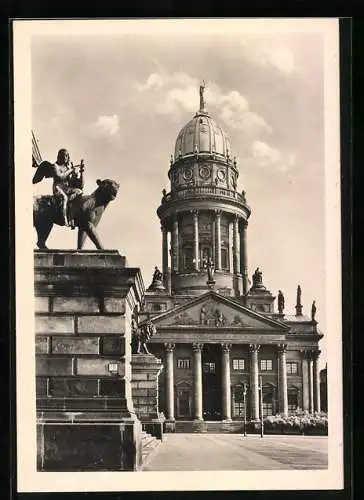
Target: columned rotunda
column 218, row 333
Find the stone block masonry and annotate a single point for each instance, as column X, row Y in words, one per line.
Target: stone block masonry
column 83, row 306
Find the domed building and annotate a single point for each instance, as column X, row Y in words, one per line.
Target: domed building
column 221, row 340
column 204, row 214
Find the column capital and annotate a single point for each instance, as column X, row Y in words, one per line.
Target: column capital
column 195, row 213
column 197, row 347
column 254, row 347
column 169, row 347
column 217, row 212
column 243, row 224
column 282, row 348
column 226, row 347
column 236, row 217
column 304, row 353
column 315, row 355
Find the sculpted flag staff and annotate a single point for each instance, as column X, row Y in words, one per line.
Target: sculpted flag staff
column 68, row 206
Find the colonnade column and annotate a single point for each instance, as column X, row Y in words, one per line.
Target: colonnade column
column 305, row 382
column 197, row 381
column 316, row 382
column 175, row 244
column 169, row 381
column 282, row 386
column 236, row 251
column 254, row 381
column 226, row 384
column 217, row 258
column 310, row 381
column 244, row 256
column 164, row 255
column 195, row 240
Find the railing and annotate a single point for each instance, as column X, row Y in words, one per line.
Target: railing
column 204, row 190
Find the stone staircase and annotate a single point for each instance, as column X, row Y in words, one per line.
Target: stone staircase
column 149, row 443
column 218, row 427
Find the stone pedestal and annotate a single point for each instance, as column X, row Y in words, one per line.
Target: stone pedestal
column 146, row 369
column 85, row 414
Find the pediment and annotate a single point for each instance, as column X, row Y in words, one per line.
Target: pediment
column 212, row 310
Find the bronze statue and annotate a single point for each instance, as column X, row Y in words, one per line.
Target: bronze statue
column 65, row 185
column 202, row 90
column 313, row 311
column 157, row 275
column 141, row 335
column 257, row 277
column 87, row 211
column 280, row 302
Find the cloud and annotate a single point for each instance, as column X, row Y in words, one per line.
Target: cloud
column 106, row 126
column 271, row 54
column 267, row 156
column 179, row 93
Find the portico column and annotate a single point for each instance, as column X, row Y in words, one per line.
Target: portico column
column 218, row 239
column 254, row 381
column 244, row 256
column 236, row 252
column 164, row 255
column 305, row 382
column 195, row 240
column 282, row 388
column 226, row 384
column 175, row 245
column 316, row 382
column 197, row 381
column 169, row 381
column 310, row 381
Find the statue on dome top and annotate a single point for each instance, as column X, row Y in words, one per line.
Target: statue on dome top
column 202, row 101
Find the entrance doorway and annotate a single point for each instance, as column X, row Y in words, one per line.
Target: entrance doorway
column 211, row 382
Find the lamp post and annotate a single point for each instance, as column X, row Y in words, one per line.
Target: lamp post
column 244, row 399
column 260, row 388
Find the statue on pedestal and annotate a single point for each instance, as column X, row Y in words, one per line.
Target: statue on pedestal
column 209, row 265
column 257, row 277
column 68, row 206
column 141, row 335
column 313, row 311
column 280, row 302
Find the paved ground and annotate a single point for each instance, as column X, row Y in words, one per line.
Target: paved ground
column 234, row 452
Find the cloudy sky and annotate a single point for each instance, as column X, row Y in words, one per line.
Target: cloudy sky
column 119, row 101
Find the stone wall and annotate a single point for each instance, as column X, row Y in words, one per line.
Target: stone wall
column 85, row 414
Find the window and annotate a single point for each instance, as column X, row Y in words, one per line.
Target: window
column 209, row 367
column 157, row 307
column 292, row 368
column 238, row 402
column 224, row 259
column 267, row 404
column 292, row 401
column 266, row 365
column 188, row 259
column 183, row 363
column 238, row 364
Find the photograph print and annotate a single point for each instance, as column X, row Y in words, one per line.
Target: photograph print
column 178, row 254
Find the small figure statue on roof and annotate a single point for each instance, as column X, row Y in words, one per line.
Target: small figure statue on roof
column 280, row 302
column 257, row 277
column 313, row 311
column 157, row 275
column 298, row 302
column 164, row 195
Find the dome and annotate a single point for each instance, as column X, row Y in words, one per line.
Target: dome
column 202, row 135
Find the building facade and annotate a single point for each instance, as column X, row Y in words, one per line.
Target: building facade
column 218, row 334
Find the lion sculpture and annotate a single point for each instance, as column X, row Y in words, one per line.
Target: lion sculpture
column 86, row 211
